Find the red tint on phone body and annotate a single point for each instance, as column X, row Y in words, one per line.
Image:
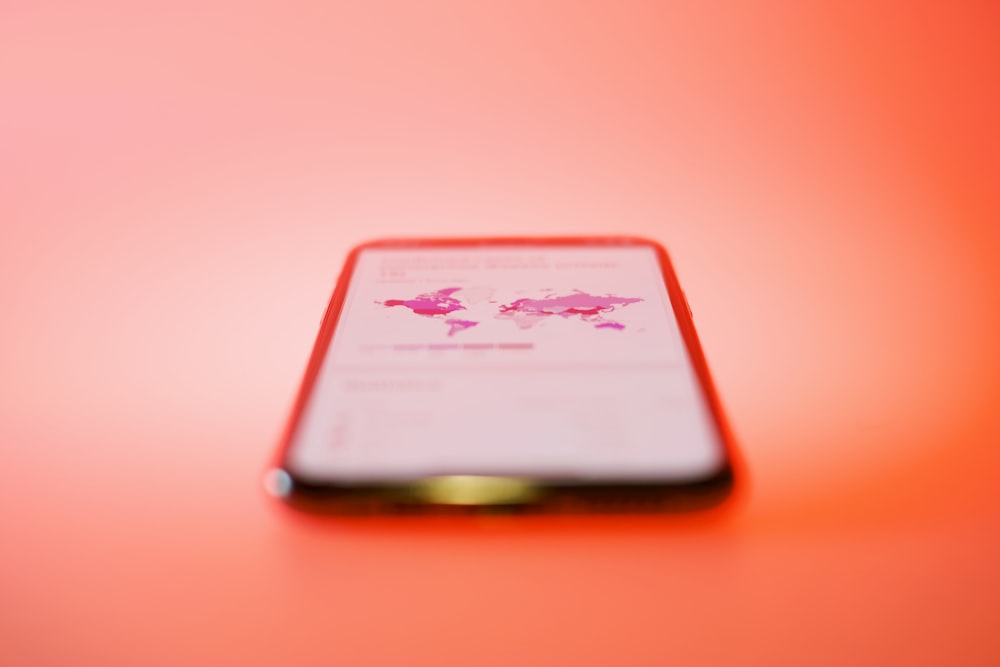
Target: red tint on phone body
column 525, row 491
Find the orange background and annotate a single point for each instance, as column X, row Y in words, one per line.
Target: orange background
column 180, row 181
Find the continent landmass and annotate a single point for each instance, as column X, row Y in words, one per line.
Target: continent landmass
column 435, row 304
column 590, row 308
column 430, row 303
column 525, row 313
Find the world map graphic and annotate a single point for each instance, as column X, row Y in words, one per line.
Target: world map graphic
column 525, row 312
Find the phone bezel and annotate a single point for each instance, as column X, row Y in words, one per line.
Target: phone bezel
column 541, row 493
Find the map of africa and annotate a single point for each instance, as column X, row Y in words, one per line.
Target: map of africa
column 525, row 313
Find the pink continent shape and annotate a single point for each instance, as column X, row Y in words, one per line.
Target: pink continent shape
column 430, row 304
column 459, row 325
column 590, row 308
column 435, row 304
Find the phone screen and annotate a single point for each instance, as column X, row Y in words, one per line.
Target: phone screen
column 548, row 361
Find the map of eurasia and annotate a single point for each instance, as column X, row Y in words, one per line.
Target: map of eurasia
column 525, row 313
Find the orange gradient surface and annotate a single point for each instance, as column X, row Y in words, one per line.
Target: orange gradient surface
column 179, row 183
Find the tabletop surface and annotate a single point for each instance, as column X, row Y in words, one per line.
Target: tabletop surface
column 180, row 182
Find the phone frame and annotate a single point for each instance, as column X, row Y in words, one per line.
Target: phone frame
column 545, row 495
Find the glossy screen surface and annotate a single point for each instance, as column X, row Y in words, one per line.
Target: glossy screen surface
column 555, row 361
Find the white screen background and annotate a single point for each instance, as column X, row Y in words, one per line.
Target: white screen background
column 403, row 395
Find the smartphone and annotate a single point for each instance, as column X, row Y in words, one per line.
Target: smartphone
column 506, row 374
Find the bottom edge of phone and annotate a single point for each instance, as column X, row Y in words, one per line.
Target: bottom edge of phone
column 463, row 496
